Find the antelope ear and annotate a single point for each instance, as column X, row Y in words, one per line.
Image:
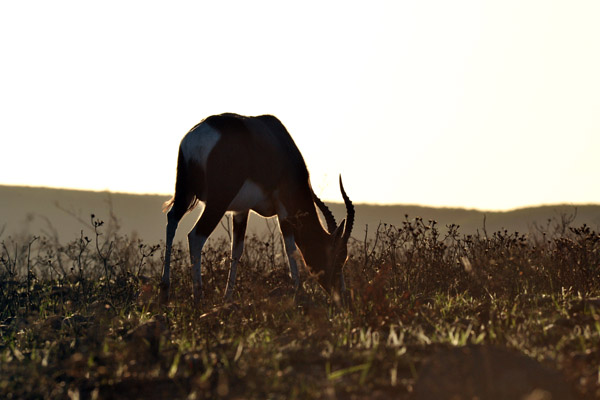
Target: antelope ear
column 339, row 232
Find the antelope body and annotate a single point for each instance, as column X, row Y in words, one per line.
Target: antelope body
column 237, row 164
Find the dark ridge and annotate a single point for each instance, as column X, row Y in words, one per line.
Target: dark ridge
column 65, row 213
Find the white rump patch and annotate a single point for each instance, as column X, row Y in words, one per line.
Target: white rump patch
column 198, row 144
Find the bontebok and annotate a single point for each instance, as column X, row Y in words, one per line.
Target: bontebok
column 235, row 163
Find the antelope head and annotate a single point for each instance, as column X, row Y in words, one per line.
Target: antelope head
column 336, row 255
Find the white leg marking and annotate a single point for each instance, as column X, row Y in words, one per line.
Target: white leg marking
column 289, row 242
column 236, row 254
column 166, row 277
column 290, row 249
column 237, row 249
column 235, row 259
column 196, row 244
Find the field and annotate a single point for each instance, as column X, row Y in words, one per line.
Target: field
column 80, row 320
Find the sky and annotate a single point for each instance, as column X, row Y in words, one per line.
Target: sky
column 480, row 104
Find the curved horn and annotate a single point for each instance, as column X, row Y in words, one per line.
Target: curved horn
column 349, row 212
column 329, row 218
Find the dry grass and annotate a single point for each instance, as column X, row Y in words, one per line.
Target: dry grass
column 80, row 320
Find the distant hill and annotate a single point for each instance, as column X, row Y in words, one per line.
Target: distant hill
column 65, row 213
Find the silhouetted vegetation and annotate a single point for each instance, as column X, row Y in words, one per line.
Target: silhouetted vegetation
column 80, row 320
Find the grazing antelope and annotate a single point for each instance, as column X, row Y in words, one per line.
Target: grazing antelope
column 235, row 163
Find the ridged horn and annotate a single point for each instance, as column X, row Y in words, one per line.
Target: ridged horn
column 329, row 218
column 349, row 212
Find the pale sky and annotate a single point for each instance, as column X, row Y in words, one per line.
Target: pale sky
column 479, row 104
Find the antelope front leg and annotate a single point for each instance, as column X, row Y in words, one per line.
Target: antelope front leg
column 172, row 222
column 196, row 243
column 290, row 249
column 240, row 222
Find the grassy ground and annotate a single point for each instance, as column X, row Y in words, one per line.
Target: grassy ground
column 79, row 320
